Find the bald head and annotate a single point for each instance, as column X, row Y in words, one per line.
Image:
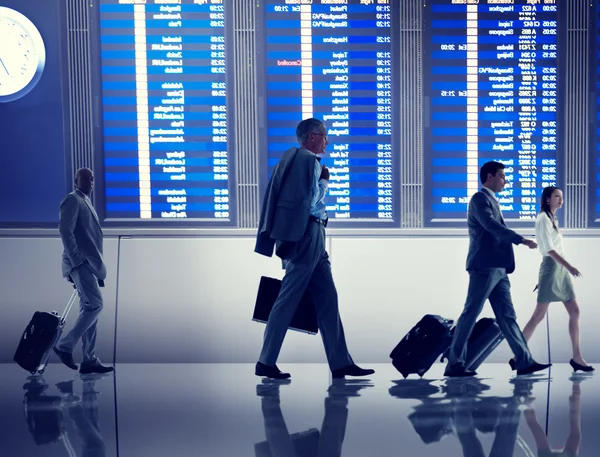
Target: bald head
column 84, row 180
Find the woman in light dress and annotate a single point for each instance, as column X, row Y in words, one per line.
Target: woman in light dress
column 554, row 283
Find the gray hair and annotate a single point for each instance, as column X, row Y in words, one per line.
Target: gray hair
column 307, row 126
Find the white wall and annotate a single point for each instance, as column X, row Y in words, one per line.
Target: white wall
column 31, row 280
column 191, row 299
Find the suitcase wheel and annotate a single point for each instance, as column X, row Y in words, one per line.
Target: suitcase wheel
column 42, row 371
column 33, row 372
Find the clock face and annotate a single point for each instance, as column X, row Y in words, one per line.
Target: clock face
column 22, row 55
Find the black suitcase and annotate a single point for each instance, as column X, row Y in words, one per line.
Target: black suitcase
column 422, row 345
column 40, row 336
column 305, row 317
column 485, row 337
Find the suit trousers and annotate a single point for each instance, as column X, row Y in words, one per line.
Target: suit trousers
column 492, row 283
column 308, row 269
column 90, row 305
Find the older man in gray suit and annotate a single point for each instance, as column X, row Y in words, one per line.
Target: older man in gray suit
column 83, row 264
column 489, row 262
column 293, row 219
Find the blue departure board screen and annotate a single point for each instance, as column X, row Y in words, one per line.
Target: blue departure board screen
column 333, row 61
column 165, row 117
column 491, row 81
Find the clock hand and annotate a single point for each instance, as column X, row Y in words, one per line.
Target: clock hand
column 5, row 69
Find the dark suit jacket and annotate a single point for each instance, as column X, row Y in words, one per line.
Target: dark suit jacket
column 490, row 241
column 286, row 204
column 81, row 235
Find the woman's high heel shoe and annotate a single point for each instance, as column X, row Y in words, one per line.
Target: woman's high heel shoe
column 583, row 368
column 513, row 364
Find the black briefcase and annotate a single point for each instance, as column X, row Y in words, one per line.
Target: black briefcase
column 305, row 317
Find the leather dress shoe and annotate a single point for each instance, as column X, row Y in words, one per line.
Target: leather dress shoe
column 351, row 370
column 270, row 372
column 533, row 368
column 66, row 358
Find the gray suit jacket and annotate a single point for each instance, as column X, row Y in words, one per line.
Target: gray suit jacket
column 490, row 241
column 81, row 235
column 286, row 204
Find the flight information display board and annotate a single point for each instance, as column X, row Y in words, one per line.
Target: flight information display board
column 491, row 78
column 164, row 97
column 332, row 60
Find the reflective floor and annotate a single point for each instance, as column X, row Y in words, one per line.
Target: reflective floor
column 223, row 410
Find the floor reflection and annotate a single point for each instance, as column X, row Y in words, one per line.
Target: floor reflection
column 573, row 434
column 223, row 410
column 324, row 443
column 47, row 415
column 462, row 407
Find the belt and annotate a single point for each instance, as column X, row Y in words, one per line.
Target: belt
column 323, row 222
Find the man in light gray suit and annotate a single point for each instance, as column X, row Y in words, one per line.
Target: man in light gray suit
column 293, row 219
column 83, row 264
column 489, row 262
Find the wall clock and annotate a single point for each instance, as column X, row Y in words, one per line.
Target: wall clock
column 22, row 55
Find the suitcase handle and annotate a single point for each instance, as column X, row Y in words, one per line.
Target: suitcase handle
column 70, row 304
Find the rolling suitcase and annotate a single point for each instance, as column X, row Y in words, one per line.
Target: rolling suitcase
column 40, row 336
column 305, row 317
column 485, row 337
column 427, row 340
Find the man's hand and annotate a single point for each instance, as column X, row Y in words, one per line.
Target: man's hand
column 530, row 244
column 324, row 173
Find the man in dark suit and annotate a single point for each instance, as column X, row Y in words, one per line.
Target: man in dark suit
column 83, row 264
column 489, row 262
column 293, row 219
